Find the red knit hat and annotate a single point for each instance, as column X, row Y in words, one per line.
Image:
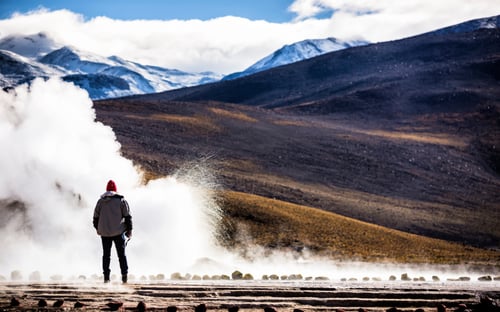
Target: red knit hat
column 111, row 187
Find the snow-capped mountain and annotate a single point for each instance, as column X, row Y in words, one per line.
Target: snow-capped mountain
column 296, row 52
column 25, row 58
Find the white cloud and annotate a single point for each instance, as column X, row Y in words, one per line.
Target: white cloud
column 381, row 20
column 223, row 45
column 229, row 44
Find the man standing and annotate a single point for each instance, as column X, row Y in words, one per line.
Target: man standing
column 113, row 223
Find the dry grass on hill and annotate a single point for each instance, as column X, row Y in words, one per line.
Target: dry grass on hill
column 282, row 225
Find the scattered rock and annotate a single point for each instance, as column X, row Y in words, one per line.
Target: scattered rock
column 486, row 278
column 225, row 277
column 366, row 279
column 405, row 277
column 376, row 279
column 176, row 276
column 392, row 278
column 42, row 303
column 141, row 306
column 321, row 278
column 58, row 303
column 274, row 277
column 233, row 309
column 464, row 278
column 496, row 278
column 200, row 308
column 295, row 277
column 114, row 305
column 171, row 309
column 196, row 277
column 14, row 302
column 78, row 305
column 441, row 308
column 265, row 277
column 248, row 277
column 237, row 275
column 435, row 278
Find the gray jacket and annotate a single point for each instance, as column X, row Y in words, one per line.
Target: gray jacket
column 112, row 215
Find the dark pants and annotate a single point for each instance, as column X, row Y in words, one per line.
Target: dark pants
column 106, row 254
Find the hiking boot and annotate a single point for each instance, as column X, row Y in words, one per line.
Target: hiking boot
column 124, row 279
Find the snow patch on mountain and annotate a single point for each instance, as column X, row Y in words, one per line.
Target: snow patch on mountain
column 296, row 52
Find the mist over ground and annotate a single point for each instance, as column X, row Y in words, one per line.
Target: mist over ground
column 56, row 162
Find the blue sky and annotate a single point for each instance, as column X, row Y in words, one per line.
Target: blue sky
column 269, row 10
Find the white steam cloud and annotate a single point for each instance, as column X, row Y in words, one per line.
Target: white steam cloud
column 228, row 44
column 55, row 163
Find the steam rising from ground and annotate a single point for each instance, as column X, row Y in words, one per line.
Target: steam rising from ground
column 55, row 162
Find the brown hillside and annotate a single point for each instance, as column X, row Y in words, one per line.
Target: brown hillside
column 255, row 220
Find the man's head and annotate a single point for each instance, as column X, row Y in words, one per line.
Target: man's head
column 111, row 187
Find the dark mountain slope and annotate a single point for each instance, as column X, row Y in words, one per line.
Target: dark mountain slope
column 410, row 175
column 458, row 71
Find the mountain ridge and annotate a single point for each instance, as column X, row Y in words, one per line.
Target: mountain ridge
column 44, row 58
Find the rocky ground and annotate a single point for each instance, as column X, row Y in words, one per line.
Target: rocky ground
column 250, row 296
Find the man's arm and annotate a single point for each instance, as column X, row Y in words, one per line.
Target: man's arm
column 127, row 217
column 97, row 213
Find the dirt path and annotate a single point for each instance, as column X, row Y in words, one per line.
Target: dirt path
column 247, row 296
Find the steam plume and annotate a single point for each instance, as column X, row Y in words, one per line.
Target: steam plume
column 55, row 163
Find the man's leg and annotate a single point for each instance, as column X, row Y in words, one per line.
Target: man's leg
column 106, row 256
column 120, row 250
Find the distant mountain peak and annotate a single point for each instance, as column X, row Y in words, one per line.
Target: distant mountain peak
column 295, row 52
